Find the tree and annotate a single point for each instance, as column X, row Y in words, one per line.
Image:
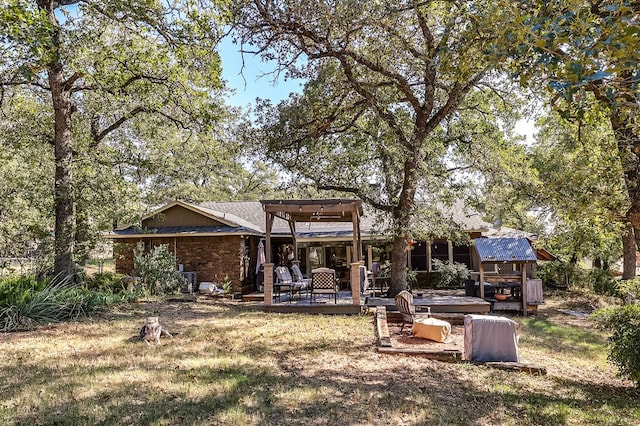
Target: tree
column 26, row 176
column 386, row 82
column 582, row 190
column 104, row 66
column 586, row 54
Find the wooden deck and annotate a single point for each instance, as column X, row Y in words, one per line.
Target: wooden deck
column 324, row 309
column 438, row 304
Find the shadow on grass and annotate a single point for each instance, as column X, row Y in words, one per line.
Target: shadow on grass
column 239, row 366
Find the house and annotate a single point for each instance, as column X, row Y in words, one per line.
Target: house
column 218, row 240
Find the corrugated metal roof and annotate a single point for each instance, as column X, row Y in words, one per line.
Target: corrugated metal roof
column 504, row 250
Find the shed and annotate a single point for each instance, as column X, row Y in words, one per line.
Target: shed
column 511, row 251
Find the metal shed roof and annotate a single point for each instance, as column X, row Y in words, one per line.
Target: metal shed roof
column 504, row 250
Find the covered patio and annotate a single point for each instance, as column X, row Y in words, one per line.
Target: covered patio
column 312, row 211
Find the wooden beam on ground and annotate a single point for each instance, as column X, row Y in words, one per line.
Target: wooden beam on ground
column 448, row 355
column 518, row 366
column 384, row 338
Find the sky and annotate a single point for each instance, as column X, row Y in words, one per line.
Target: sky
column 254, row 84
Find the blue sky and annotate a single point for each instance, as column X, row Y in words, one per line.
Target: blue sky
column 255, row 84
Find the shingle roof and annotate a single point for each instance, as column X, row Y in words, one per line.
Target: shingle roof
column 506, row 232
column 249, row 217
column 504, row 250
column 185, row 230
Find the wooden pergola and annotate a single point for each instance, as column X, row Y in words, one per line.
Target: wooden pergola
column 310, row 211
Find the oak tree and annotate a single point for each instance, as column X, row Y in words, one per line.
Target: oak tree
column 105, row 65
column 386, row 81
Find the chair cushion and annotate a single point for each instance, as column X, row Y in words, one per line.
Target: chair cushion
column 432, row 329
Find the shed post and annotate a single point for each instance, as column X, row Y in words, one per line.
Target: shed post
column 524, row 289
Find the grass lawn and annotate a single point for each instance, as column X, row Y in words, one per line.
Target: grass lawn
column 231, row 364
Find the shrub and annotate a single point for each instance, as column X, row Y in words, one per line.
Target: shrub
column 31, row 303
column 563, row 274
column 624, row 343
column 412, row 278
column 157, row 270
column 105, row 281
column 450, row 274
column 602, row 282
column 629, row 290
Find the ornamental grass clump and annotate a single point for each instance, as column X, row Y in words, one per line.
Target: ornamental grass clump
column 26, row 303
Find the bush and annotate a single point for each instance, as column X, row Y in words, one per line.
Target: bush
column 602, row 282
column 106, row 281
column 157, row 270
column 629, row 290
column 450, row 274
column 563, row 274
column 624, row 343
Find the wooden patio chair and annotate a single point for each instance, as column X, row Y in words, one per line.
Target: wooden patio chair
column 424, row 327
column 404, row 303
column 324, row 281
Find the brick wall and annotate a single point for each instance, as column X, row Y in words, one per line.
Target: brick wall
column 212, row 258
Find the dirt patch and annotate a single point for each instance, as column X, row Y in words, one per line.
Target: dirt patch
column 405, row 339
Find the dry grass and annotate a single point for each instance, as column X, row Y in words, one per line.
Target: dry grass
column 229, row 364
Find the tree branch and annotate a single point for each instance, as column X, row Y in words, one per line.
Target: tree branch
column 98, row 135
column 357, row 192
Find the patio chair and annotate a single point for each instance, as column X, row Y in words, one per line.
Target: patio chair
column 404, row 302
column 364, row 279
column 324, row 281
column 305, row 283
column 424, row 326
column 284, row 282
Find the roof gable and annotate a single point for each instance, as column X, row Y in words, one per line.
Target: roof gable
column 178, row 215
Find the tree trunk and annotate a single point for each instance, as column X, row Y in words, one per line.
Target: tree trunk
column 398, row 266
column 402, row 223
column 83, row 243
column 628, row 142
column 629, row 254
column 63, row 187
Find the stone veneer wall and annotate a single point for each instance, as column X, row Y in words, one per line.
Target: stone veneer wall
column 212, row 258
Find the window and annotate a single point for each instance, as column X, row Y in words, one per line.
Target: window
column 462, row 254
column 419, row 257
